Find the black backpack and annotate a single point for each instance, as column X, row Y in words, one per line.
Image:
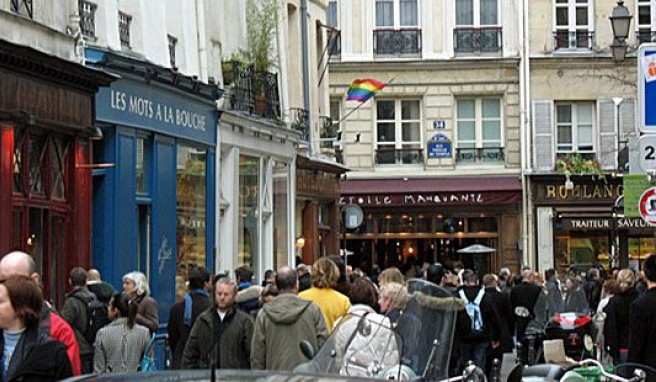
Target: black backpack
column 96, row 317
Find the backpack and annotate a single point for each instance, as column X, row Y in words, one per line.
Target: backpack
column 96, row 317
column 473, row 309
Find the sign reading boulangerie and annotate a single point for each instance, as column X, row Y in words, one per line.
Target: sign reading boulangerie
column 431, row 199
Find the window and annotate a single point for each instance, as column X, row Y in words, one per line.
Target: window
column 334, row 38
column 479, row 130
column 397, row 27
column 646, row 12
column 173, row 42
column 573, row 24
column 124, row 21
column 248, row 222
column 142, row 164
column 477, row 26
column 398, row 132
column 575, row 127
column 280, row 214
column 23, row 7
column 87, row 19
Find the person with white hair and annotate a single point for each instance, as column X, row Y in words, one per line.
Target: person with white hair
column 136, row 285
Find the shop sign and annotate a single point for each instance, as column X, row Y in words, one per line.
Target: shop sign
column 647, row 206
column 603, row 223
column 581, row 192
column 439, row 146
column 310, row 183
column 427, row 199
column 132, row 103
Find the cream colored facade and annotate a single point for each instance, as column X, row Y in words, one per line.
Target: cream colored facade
column 575, row 78
column 430, row 57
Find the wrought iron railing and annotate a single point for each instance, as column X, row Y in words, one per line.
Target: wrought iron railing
column 393, row 155
column 573, row 39
column 645, row 35
column 251, row 91
column 87, row 18
column 124, row 21
column 17, row 6
column 301, row 121
column 397, row 41
column 480, row 155
column 477, row 40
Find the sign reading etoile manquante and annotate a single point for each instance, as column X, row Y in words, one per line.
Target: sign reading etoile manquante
column 431, row 199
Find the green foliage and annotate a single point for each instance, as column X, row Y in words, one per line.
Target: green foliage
column 576, row 164
column 261, row 25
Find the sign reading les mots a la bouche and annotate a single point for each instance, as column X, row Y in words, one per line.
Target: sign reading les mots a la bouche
column 132, row 103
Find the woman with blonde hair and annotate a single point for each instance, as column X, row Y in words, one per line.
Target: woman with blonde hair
column 333, row 304
column 136, row 285
column 616, row 325
column 390, row 275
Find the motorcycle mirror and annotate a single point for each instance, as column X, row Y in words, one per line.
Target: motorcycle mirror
column 640, row 374
column 307, row 349
column 588, row 343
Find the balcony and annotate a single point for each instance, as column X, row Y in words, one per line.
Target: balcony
column 251, row 91
column 480, row 155
column 397, row 41
column 23, row 7
column 645, row 35
column 573, row 40
column 301, row 122
column 477, row 40
column 393, row 155
column 328, row 132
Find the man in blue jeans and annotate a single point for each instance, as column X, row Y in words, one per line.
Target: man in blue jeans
column 486, row 324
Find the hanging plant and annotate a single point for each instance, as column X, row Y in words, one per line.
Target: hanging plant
column 576, row 164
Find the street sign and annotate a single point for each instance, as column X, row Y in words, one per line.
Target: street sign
column 352, row 216
column 647, row 145
column 647, row 206
column 647, row 87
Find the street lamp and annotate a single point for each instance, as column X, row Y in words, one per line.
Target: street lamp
column 620, row 21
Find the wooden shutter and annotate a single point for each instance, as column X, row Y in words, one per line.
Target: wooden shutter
column 543, row 139
column 607, row 148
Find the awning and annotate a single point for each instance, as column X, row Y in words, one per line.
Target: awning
column 432, row 192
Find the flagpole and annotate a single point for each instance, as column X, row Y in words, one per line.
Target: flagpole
column 362, row 104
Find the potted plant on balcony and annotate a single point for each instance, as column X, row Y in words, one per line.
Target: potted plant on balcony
column 231, row 67
column 576, row 164
column 261, row 24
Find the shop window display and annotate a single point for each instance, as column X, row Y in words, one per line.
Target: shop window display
column 191, row 183
column 581, row 252
column 248, row 218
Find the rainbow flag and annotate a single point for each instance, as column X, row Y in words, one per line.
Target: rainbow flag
column 363, row 89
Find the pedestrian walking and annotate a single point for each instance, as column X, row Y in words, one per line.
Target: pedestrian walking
column 248, row 294
column 120, row 345
column 102, row 289
column 575, row 299
column 333, row 304
column 282, row 324
column 74, row 312
column 642, row 316
column 554, row 296
column 501, row 302
column 222, row 334
column 183, row 314
column 136, row 285
column 529, row 305
column 20, row 263
column 29, row 355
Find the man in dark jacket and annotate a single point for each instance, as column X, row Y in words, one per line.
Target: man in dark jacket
column 102, row 289
column 475, row 346
column 248, row 294
column 184, row 313
column 282, row 324
column 501, row 301
column 222, row 334
column 74, row 312
column 529, row 305
column 554, row 296
column 642, row 347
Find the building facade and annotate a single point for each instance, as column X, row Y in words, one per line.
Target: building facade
column 583, row 113
column 435, row 156
column 46, row 112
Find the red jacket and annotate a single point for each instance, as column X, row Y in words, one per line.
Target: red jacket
column 61, row 331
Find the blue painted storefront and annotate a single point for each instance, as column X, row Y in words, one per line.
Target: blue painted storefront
column 164, row 117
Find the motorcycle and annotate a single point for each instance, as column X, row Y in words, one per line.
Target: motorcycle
column 413, row 345
column 586, row 370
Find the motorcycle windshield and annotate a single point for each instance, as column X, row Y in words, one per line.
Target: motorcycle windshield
column 412, row 344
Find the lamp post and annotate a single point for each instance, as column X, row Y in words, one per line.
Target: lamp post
column 620, row 21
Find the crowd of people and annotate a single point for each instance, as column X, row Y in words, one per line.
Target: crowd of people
column 233, row 323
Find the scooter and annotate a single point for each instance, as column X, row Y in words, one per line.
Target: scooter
column 586, row 370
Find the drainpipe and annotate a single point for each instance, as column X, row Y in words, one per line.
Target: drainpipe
column 202, row 43
column 306, row 71
column 528, row 257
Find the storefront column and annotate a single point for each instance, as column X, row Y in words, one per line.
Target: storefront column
column 6, row 161
column 310, row 230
